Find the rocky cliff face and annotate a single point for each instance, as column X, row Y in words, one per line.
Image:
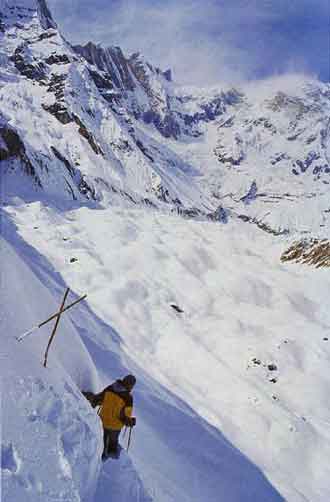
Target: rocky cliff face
column 26, row 12
column 74, row 116
column 148, row 93
column 111, row 62
column 88, row 122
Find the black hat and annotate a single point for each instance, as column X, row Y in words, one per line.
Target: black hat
column 129, row 381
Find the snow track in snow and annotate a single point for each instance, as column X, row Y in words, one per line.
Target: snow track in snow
column 119, row 477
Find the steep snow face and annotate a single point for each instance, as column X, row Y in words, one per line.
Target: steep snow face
column 267, row 158
column 246, row 350
column 280, row 143
column 51, row 441
column 285, row 131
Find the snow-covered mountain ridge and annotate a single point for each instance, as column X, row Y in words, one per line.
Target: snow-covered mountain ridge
column 65, row 133
column 91, row 123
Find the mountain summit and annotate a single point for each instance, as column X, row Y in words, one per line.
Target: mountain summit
column 15, row 12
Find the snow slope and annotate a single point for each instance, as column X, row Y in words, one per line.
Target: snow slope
column 48, row 424
column 46, row 427
column 209, row 406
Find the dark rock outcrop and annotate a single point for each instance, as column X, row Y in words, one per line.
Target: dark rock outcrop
column 33, row 70
column 15, row 149
column 83, row 131
column 313, row 252
column 64, row 161
column 111, row 61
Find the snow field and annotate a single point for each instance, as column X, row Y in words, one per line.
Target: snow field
column 45, row 405
column 243, row 311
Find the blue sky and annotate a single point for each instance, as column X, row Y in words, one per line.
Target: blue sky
column 208, row 41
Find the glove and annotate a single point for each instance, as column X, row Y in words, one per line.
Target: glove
column 132, row 422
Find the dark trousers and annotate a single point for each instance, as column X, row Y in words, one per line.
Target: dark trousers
column 110, row 439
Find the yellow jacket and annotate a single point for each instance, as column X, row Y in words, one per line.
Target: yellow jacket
column 116, row 407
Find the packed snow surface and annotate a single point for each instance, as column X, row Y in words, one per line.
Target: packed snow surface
column 232, row 395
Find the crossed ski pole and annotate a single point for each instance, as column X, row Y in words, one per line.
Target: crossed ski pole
column 55, row 327
column 56, row 315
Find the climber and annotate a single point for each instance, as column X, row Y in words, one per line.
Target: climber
column 116, row 406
